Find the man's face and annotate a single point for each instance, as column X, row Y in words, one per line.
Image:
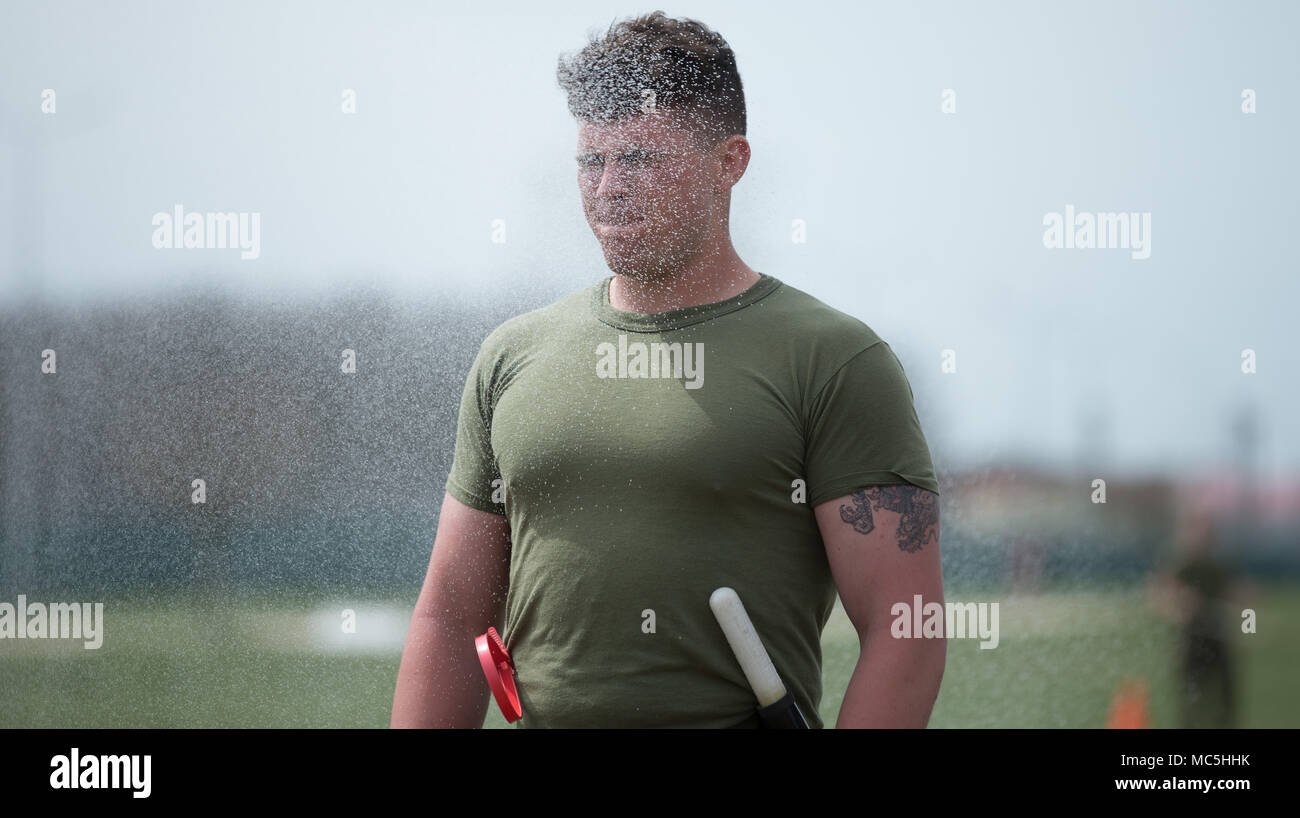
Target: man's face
column 647, row 192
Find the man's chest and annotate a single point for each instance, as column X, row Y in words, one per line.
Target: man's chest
column 673, row 418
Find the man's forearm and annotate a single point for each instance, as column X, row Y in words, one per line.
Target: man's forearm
column 895, row 682
column 440, row 682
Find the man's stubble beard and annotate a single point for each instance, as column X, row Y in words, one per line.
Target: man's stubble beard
column 660, row 264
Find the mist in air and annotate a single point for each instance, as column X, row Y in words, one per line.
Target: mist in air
column 411, row 168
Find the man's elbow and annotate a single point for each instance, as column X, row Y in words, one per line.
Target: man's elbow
column 919, row 665
column 938, row 661
column 925, row 657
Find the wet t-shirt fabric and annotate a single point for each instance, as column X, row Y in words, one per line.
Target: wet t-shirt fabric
column 644, row 460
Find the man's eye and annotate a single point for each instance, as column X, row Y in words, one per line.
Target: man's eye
column 589, row 161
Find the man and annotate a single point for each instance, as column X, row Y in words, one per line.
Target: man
column 1203, row 591
column 684, row 424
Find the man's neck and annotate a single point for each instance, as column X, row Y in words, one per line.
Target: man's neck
column 695, row 284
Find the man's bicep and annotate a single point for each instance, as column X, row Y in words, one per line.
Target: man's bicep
column 882, row 543
column 469, row 569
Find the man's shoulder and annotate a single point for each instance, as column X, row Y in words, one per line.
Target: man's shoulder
column 538, row 325
column 831, row 332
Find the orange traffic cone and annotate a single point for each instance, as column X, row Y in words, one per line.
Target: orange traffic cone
column 1128, row 707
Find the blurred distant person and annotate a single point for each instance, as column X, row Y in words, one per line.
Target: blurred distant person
column 1198, row 588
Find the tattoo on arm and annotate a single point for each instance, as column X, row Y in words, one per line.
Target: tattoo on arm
column 918, row 525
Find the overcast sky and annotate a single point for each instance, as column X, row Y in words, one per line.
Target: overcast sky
column 926, row 225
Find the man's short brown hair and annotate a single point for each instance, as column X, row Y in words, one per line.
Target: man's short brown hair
column 661, row 62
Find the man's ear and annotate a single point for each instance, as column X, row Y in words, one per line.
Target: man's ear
column 733, row 154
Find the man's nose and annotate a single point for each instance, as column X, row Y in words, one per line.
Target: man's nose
column 614, row 181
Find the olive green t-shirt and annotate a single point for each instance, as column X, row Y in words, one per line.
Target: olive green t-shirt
column 644, row 460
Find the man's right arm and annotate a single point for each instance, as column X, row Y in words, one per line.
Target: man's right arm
column 440, row 682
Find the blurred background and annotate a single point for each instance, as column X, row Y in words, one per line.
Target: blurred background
column 411, row 169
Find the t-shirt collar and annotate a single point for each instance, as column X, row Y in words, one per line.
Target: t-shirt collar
column 678, row 318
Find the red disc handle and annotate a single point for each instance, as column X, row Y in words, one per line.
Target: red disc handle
column 500, row 673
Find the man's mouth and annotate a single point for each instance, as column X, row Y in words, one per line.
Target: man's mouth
column 616, row 226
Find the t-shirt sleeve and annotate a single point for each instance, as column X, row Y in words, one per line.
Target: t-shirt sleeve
column 474, row 466
column 862, row 430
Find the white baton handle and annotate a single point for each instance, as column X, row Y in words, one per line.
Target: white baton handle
column 748, row 648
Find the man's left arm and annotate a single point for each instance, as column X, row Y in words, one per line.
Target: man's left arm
column 883, row 547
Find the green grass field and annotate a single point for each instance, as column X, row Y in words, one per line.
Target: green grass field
column 282, row 663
